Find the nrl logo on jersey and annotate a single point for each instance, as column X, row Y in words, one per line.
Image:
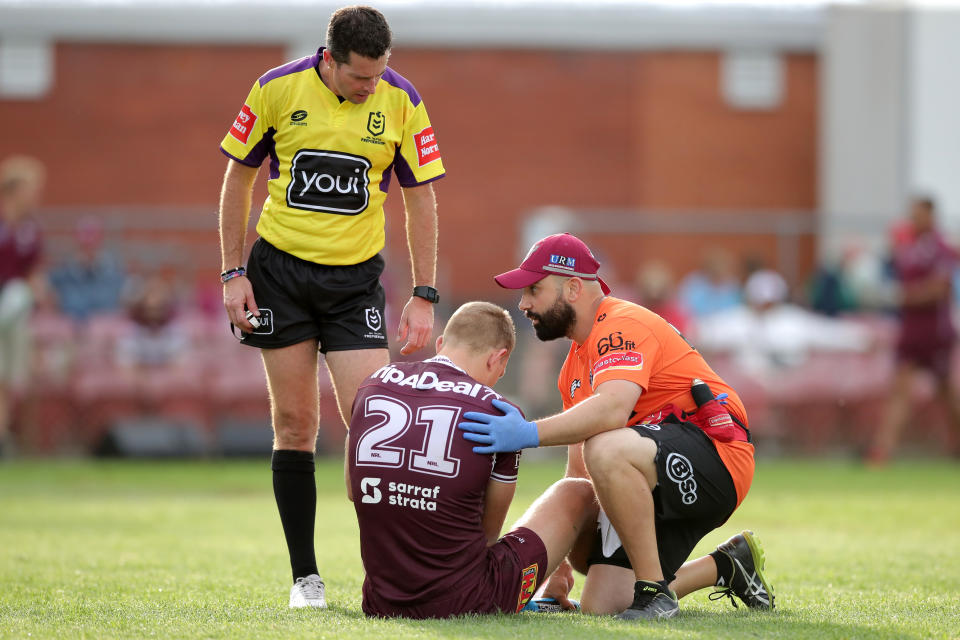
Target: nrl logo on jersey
column 376, row 123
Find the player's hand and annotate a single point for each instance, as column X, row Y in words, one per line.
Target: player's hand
column 559, row 585
column 416, row 324
column 237, row 298
column 509, row 432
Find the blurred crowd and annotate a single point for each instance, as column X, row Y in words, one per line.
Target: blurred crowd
column 865, row 344
column 86, row 341
column 859, row 358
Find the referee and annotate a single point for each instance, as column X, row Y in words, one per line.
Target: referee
column 336, row 127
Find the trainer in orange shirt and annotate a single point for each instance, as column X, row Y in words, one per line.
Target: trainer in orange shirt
column 669, row 460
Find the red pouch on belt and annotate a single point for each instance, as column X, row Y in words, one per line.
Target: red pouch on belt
column 715, row 421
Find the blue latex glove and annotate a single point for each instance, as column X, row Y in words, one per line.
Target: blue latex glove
column 500, row 434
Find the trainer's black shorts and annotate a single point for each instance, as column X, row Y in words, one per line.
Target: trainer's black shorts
column 694, row 494
column 342, row 306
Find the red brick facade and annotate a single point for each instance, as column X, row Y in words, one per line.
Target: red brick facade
column 138, row 126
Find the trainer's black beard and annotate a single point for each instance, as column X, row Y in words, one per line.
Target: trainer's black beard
column 556, row 322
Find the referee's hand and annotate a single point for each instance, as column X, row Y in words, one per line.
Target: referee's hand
column 416, row 324
column 237, row 298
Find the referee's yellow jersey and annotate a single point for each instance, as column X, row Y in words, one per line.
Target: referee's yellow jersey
column 331, row 162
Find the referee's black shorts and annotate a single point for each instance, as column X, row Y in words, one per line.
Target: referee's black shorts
column 694, row 494
column 342, row 306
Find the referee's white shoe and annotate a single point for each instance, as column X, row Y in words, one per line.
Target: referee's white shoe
column 308, row 592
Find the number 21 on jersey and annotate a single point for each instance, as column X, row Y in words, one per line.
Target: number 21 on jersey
column 374, row 448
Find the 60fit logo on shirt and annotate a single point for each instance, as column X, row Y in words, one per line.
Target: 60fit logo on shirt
column 329, row 181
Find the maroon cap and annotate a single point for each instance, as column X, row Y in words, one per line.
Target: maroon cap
column 561, row 254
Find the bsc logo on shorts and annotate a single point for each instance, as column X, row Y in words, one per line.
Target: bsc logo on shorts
column 528, row 586
column 680, row 471
column 330, row 182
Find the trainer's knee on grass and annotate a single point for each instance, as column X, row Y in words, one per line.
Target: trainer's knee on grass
column 607, row 590
column 612, row 454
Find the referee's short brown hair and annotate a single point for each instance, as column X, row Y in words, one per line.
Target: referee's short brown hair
column 362, row 30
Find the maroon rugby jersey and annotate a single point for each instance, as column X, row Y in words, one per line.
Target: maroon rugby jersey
column 418, row 487
column 925, row 256
column 20, row 248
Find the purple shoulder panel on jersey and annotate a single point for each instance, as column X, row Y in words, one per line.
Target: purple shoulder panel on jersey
column 394, row 79
column 294, row 66
column 266, row 147
column 404, row 174
column 387, row 175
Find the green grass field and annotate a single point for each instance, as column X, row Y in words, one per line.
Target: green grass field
column 194, row 549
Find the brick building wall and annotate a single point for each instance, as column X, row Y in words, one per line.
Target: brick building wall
column 132, row 131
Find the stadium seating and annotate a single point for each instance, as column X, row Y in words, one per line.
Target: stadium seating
column 80, row 393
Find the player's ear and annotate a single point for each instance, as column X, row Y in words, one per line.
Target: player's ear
column 439, row 342
column 572, row 289
column 498, row 359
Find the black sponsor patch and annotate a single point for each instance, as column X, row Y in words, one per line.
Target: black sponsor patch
column 266, row 323
column 329, row 181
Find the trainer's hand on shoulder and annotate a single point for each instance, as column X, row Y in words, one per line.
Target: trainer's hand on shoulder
column 237, row 298
column 509, row 432
column 416, row 324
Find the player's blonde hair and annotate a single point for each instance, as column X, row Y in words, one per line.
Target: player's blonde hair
column 480, row 326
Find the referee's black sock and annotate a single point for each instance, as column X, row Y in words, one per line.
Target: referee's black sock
column 295, row 488
column 724, row 567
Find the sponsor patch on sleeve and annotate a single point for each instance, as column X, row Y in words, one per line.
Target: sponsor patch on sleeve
column 619, row 361
column 243, row 125
column 427, row 148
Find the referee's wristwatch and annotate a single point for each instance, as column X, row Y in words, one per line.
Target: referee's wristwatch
column 427, row 293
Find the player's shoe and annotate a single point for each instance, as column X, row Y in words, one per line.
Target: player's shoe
column 747, row 582
column 549, row 605
column 651, row 601
column 308, row 592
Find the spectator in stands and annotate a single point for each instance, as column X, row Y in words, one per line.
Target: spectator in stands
column 92, row 280
column 21, row 280
column 768, row 333
column 829, row 292
column 923, row 266
column 713, row 288
column 655, row 291
column 155, row 340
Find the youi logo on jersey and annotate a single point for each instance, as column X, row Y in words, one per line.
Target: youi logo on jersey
column 329, row 181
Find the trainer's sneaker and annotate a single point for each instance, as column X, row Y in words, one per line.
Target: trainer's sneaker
column 308, row 592
column 651, row 601
column 747, row 582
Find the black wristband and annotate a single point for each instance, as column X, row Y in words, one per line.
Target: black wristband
column 427, row 293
